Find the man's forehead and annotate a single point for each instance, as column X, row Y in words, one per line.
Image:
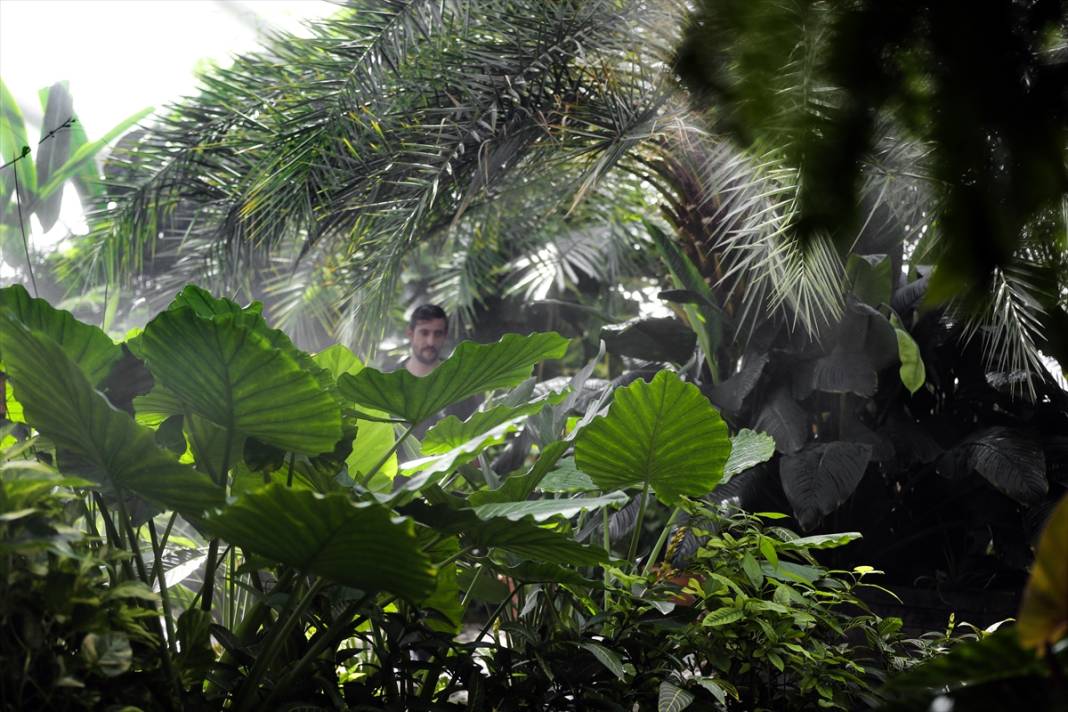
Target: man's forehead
column 431, row 324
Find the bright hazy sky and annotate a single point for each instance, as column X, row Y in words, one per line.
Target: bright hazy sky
column 121, row 56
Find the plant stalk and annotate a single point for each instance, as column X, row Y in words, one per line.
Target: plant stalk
column 385, row 458
column 632, row 550
column 279, row 632
column 660, row 541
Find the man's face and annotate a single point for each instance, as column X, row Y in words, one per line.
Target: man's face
column 427, row 338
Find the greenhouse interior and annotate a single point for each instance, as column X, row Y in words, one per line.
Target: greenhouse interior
column 534, row 355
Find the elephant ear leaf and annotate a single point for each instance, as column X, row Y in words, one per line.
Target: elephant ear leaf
column 92, row 438
column 85, row 345
column 818, row 479
column 231, row 374
column 663, row 433
column 472, row 369
column 748, row 449
column 1044, row 613
column 358, row 545
column 1011, row 462
column 204, row 304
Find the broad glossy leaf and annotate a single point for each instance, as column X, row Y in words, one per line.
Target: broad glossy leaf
column 523, row 538
column 542, row 509
column 870, row 277
column 358, row 545
column 672, row 698
column 94, row 439
column 58, row 108
column 748, row 449
column 1012, row 462
column 664, row 433
column 912, row 371
column 519, row 487
column 373, row 438
column 567, row 477
column 993, row 657
column 820, row 478
column 731, row 395
column 233, row 376
column 445, row 600
column 205, row 304
column 81, row 160
column 651, row 339
column 85, row 345
column 472, row 369
column 820, row 541
column 609, row 658
column 461, row 454
column 844, row 371
column 13, row 141
column 1043, row 616
column 156, row 406
column 451, row 432
column 540, row 572
column 783, row 419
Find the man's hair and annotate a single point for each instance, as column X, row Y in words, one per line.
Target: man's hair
column 427, row 312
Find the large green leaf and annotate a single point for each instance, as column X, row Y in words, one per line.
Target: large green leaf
column 523, row 538
column 748, row 449
column 542, row 509
column 472, row 368
column 360, row 545
column 783, row 419
column 672, row 698
column 84, row 155
column 93, row 438
column 517, row 487
column 86, row 345
column 465, row 452
column 820, row 478
column 373, row 438
column 1044, row 612
column 451, row 432
column 913, row 372
column 13, row 142
column 232, row 375
column 58, row 106
column 1012, row 462
column 566, row 477
column 663, row 433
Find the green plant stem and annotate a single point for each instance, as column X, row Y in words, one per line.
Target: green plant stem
column 470, row 588
column 288, row 619
column 131, row 537
column 232, row 599
column 632, row 550
column 661, row 540
column 338, row 630
column 164, row 647
column 289, row 474
column 207, row 588
column 606, row 539
column 157, row 572
column 385, row 458
column 22, row 225
column 158, row 563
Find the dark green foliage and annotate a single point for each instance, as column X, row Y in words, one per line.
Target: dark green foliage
column 982, row 85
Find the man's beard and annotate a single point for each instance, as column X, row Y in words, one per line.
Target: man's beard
column 424, row 360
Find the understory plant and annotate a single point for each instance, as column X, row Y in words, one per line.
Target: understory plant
column 237, row 511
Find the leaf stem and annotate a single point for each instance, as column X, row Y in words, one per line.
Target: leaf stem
column 632, row 550
column 385, row 458
column 277, row 638
column 661, row 540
